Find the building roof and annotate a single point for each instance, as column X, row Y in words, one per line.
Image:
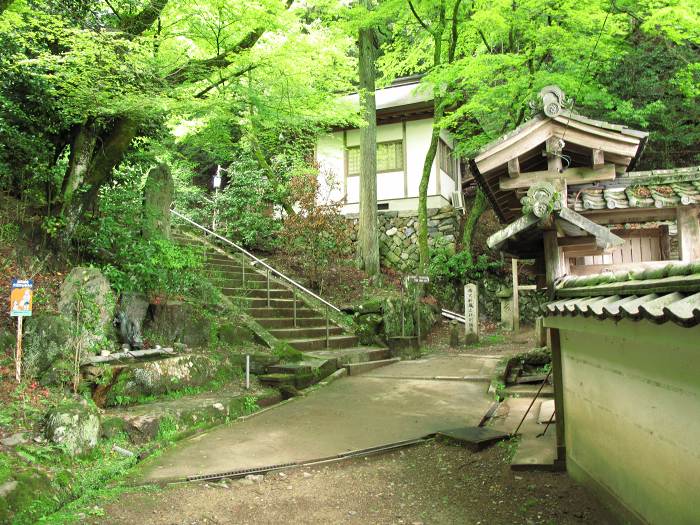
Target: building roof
column 662, row 294
column 580, row 136
column 402, row 92
column 641, row 189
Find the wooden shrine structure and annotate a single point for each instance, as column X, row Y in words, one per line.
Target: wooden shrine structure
column 563, row 184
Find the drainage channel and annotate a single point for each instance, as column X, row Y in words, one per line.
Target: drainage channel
column 232, row 474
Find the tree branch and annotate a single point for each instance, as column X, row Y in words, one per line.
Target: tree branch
column 238, row 73
column 483, row 39
column 196, row 69
column 137, row 24
column 418, row 18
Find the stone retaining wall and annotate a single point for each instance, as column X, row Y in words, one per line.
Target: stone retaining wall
column 398, row 234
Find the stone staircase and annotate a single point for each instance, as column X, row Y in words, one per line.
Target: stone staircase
column 280, row 309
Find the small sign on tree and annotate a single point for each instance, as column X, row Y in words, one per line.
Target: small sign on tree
column 20, row 307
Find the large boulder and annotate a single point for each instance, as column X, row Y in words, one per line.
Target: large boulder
column 87, row 297
column 47, row 348
column 176, row 321
column 124, row 384
column 157, row 198
column 74, row 424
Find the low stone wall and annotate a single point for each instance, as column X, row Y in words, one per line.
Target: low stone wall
column 398, row 234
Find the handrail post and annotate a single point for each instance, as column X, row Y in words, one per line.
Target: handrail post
column 268, row 288
column 294, row 291
column 328, row 329
column 243, row 269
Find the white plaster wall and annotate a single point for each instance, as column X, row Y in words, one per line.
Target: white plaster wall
column 330, row 155
column 447, row 185
column 632, row 413
column 418, row 133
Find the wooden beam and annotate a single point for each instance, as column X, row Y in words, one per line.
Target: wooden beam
column 688, row 232
column 598, row 158
column 516, row 296
column 501, row 236
column 554, row 267
column 558, row 380
column 582, row 251
column 513, row 167
column 553, row 150
column 626, row 215
column 565, row 242
column 572, row 176
column 605, row 239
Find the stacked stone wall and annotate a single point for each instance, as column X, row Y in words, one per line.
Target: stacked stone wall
column 398, row 235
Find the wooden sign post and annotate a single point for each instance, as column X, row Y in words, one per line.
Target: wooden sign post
column 20, row 307
column 471, row 314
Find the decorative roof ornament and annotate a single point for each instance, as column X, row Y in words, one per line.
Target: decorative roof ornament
column 553, row 100
column 541, row 199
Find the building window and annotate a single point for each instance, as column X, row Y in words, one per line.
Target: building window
column 389, row 158
column 448, row 162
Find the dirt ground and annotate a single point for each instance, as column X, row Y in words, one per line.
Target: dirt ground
column 493, row 341
column 432, row 483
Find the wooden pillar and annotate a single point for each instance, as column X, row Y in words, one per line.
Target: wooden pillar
column 688, row 233
column 558, row 377
column 516, row 296
column 553, row 260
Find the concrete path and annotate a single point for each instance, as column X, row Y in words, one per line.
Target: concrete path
column 350, row 414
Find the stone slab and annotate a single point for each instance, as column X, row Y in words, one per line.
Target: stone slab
column 457, row 366
column 361, row 368
column 474, row 438
column 351, row 414
column 546, row 412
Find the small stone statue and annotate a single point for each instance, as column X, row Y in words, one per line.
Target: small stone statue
column 129, row 333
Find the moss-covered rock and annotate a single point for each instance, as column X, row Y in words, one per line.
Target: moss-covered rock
column 74, row 424
column 46, row 340
column 369, row 327
column 124, row 384
column 233, row 334
column 175, row 321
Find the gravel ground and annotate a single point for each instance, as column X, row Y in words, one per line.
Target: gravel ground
column 428, row 484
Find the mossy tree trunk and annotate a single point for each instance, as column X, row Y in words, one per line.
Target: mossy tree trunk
column 437, row 31
column 478, row 208
column 368, row 238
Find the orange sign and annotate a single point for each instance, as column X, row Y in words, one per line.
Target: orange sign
column 21, row 298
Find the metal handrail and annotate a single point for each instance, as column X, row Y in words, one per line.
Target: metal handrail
column 258, row 261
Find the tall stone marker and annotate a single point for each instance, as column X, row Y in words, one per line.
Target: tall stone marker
column 157, row 197
column 471, row 314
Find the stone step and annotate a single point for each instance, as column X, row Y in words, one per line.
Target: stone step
column 238, row 283
column 274, row 302
column 288, row 322
column 304, row 332
column 260, row 293
column 358, row 354
column 237, row 274
column 321, row 368
column 319, row 343
column 266, row 313
column 359, row 368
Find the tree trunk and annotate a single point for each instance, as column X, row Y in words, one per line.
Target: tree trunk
column 368, row 238
column 475, row 212
column 92, row 159
column 423, row 252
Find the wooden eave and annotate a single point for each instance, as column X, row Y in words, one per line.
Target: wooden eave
column 620, row 146
column 408, row 112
